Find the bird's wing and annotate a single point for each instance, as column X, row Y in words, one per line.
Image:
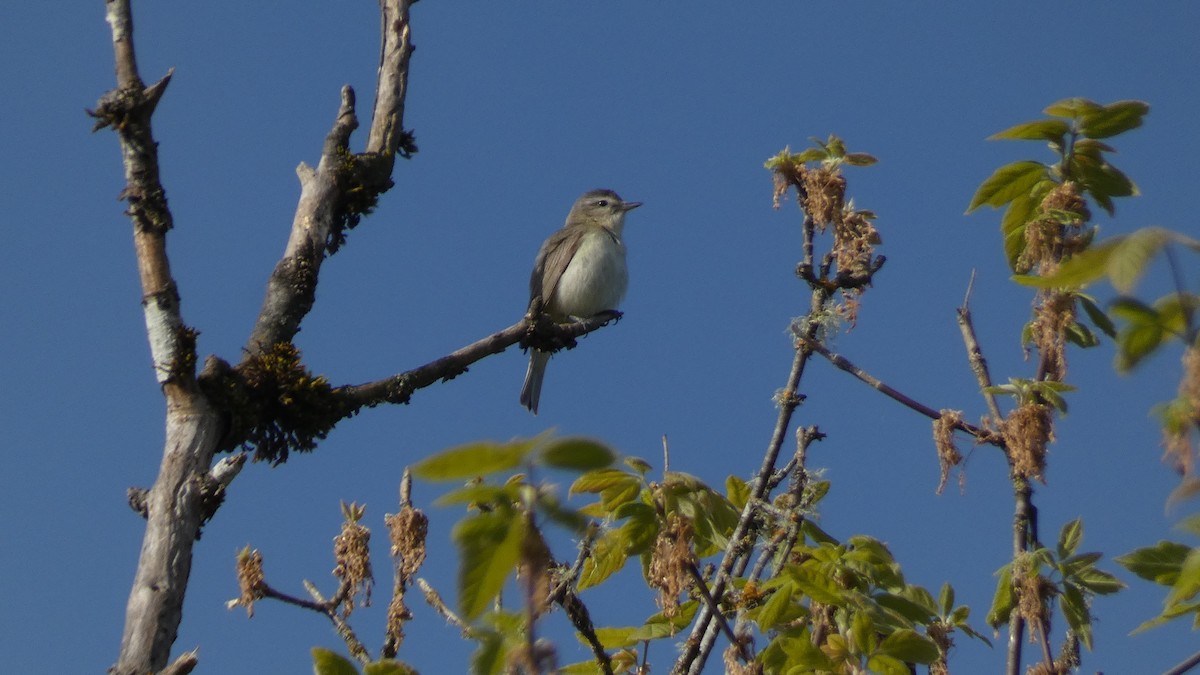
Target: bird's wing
column 552, row 261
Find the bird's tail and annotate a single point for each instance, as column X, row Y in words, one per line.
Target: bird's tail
column 532, row 391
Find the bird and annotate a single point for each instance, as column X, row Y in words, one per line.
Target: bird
column 579, row 272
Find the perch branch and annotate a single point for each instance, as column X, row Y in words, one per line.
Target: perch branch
column 399, row 388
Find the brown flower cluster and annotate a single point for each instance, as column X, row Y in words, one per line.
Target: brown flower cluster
column 1027, row 431
column 943, row 437
column 669, row 562
column 351, row 551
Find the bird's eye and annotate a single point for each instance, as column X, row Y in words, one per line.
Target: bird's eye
column 601, row 202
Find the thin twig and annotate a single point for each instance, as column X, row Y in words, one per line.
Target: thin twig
column 741, row 543
column 435, row 601
column 711, row 603
column 845, row 364
column 974, row 354
column 1185, row 665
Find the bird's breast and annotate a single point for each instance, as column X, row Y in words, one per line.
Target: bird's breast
column 595, row 279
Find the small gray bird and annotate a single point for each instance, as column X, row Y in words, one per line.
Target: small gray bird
column 579, row 272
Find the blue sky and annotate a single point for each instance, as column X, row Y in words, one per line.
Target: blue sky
column 517, row 109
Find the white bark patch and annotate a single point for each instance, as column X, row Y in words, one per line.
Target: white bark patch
column 162, row 328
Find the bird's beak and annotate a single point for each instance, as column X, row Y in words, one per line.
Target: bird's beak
column 629, row 206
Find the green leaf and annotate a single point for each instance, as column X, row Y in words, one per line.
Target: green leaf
column 862, row 633
column 615, row 638
column 1132, row 255
column 1038, row 130
column 577, row 453
column 1187, row 586
column 946, row 599
column 887, row 665
column 1102, row 180
column 475, row 459
column 1081, row 336
column 388, row 667
column 1092, row 148
column 795, row 654
column 638, row 464
column 911, row 611
column 608, row 556
column 738, row 491
column 1080, row 270
column 489, row 545
column 1136, row 343
column 660, row 626
column 816, row 585
column 1007, row 183
column 1175, row 311
column 1134, row 311
column 909, row 646
column 640, row 528
column 1074, row 608
column 1191, row 524
column 490, row 657
column 816, row 534
column 1069, row 538
column 1159, row 563
column 548, row 504
column 1097, row 316
column 859, row 159
column 602, row 479
column 1113, row 119
column 1072, row 107
column 1072, row 565
column 1002, row 601
column 326, row 662
column 1098, row 581
column 775, row 609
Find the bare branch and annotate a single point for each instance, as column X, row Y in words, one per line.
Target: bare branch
column 842, row 363
column 399, row 388
column 975, row 354
column 435, row 601
column 343, row 187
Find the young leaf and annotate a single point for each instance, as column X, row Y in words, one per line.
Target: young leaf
column 1007, row 183
column 602, row 479
column 775, row 609
column 1072, row 107
column 860, row 159
column 614, row 638
column 1113, row 119
column 1159, row 563
column 1069, row 538
column 1135, row 343
column 1074, row 607
column 608, row 556
column 738, row 491
column 577, row 453
column 388, row 667
column 1132, row 256
column 474, row 459
column 1097, row 315
column 1038, row 130
column 946, row 599
column 1002, row 601
column 326, row 662
column 909, row 646
column 489, row 544
column 887, row 665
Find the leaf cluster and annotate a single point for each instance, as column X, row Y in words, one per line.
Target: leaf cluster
column 1071, row 577
column 1175, row 566
column 1073, row 132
